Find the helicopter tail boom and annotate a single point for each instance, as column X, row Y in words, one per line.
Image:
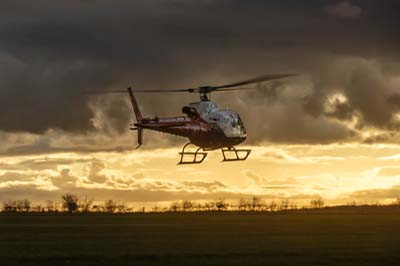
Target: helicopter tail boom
column 139, row 116
column 135, row 105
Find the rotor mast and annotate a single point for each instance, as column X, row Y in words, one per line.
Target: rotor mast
column 204, row 91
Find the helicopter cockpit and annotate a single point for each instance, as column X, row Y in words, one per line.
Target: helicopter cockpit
column 230, row 122
column 226, row 120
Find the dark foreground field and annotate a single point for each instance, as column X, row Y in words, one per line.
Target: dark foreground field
column 332, row 237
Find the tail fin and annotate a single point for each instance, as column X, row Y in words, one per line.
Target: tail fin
column 140, row 137
column 135, row 105
column 138, row 115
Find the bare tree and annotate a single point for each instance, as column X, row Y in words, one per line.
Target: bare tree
column 110, row 206
column 23, row 205
column 70, row 202
column 293, row 205
column 316, row 203
column 197, row 206
column 121, row 207
column 9, row 206
column 52, row 206
column 209, row 206
column 85, row 204
column 352, row 203
column 38, row 208
column 256, row 203
column 187, row 205
column 284, row 205
column 17, row 206
column 273, row 206
column 221, row 204
column 243, row 204
column 174, row 206
column 155, row 209
column 397, row 201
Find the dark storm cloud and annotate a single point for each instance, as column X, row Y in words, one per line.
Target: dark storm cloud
column 50, row 51
column 344, row 10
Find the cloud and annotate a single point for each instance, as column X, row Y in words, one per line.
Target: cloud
column 389, row 171
column 254, row 179
column 295, row 172
column 344, row 10
column 65, row 180
column 51, row 51
column 95, row 174
column 377, row 194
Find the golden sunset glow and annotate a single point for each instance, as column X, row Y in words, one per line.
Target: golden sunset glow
column 338, row 173
column 325, row 124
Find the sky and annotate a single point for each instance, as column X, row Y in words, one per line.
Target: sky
column 329, row 132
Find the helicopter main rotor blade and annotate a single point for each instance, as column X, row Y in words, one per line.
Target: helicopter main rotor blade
column 240, row 89
column 204, row 89
column 251, row 81
column 138, row 91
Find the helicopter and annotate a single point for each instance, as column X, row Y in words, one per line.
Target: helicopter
column 205, row 125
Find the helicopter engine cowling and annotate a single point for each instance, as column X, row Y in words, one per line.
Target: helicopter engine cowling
column 189, row 111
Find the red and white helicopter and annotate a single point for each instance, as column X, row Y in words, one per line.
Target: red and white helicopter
column 205, row 125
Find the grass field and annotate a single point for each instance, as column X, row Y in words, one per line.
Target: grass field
column 332, row 237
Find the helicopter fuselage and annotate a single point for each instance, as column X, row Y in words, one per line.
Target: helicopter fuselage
column 205, row 125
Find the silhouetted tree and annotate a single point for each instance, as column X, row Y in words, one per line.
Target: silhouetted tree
column 316, row 203
column 243, row 204
column 10, row 206
column 209, row 206
column 397, row 201
column 121, row 207
column 197, row 206
column 293, row 205
column 17, row 206
column 187, row 205
column 174, row 206
column 273, row 206
column 70, row 202
column 23, row 205
column 220, row 204
column 52, row 206
column 38, row 208
column 97, row 208
column 256, row 203
column 110, row 206
column 85, row 204
column 155, row 209
column 352, row 203
column 284, row 204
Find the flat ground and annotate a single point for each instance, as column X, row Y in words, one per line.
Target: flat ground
column 331, row 237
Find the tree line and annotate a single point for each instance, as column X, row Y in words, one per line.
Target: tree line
column 71, row 203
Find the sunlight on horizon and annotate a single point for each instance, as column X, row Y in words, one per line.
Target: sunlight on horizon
column 337, row 173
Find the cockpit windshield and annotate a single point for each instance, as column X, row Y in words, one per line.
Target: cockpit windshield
column 235, row 127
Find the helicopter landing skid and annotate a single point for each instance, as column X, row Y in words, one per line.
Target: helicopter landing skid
column 236, row 152
column 198, row 157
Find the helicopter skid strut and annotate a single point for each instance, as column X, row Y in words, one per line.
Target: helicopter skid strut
column 236, row 152
column 198, row 157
